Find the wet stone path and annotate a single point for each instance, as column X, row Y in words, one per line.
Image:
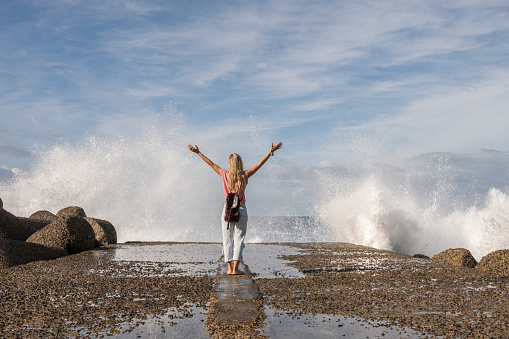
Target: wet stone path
column 235, row 308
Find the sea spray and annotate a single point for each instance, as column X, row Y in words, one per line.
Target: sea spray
column 148, row 186
column 403, row 211
column 151, row 187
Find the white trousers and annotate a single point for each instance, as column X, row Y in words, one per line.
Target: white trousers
column 233, row 236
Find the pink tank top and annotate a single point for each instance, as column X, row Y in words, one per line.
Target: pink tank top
column 224, row 177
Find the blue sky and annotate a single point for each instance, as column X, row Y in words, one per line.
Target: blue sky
column 426, row 76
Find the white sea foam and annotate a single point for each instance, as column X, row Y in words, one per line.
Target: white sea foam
column 148, row 187
column 375, row 215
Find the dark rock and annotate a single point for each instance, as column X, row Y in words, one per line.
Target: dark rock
column 105, row 232
column 40, row 219
column 35, row 223
column 72, row 211
column 456, row 257
column 15, row 252
column 497, row 262
column 1, row 204
column 421, row 256
column 11, row 227
column 44, row 215
column 72, row 234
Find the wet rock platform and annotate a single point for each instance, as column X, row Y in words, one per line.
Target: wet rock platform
column 181, row 290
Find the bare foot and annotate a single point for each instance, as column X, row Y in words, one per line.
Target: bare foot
column 230, row 267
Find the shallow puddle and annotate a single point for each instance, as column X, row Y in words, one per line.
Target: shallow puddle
column 198, row 259
column 264, row 261
column 281, row 324
column 178, row 259
column 173, row 324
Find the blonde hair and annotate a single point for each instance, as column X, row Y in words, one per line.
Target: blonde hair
column 236, row 179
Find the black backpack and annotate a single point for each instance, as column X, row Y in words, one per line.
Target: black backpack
column 231, row 213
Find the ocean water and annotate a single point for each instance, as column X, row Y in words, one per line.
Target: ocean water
column 151, row 187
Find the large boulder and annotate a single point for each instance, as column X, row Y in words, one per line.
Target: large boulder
column 40, row 219
column 72, row 234
column 72, row 211
column 37, row 224
column 104, row 231
column 497, row 262
column 11, row 227
column 456, row 257
column 44, row 215
column 15, row 252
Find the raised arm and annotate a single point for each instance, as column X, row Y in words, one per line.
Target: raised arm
column 207, row 160
column 256, row 167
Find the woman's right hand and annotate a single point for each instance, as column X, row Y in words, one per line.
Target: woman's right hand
column 275, row 148
column 193, row 149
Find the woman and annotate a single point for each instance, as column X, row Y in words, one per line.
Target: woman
column 235, row 180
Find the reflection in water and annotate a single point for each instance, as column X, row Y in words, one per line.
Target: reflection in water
column 264, row 261
column 173, row 324
column 174, row 259
column 282, row 324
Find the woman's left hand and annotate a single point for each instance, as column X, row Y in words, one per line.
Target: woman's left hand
column 193, row 149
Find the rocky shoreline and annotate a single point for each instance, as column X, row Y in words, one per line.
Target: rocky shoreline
column 92, row 294
column 65, row 280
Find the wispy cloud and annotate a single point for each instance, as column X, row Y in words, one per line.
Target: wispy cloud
column 78, row 66
column 461, row 117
